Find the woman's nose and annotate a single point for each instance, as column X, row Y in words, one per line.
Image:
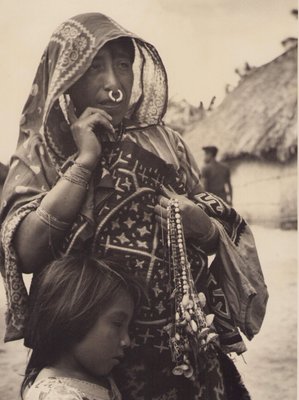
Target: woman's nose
column 111, row 80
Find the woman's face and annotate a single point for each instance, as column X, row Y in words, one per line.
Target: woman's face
column 111, row 69
column 103, row 346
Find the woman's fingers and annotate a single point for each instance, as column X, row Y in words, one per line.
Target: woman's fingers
column 161, row 221
column 161, row 211
column 93, row 117
column 92, row 110
column 167, row 193
column 163, row 201
column 98, row 119
column 195, row 221
column 71, row 112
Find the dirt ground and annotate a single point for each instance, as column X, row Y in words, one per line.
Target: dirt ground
column 270, row 369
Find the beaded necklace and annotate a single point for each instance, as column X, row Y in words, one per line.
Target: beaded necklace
column 191, row 334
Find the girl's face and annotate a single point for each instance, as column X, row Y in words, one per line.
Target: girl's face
column 111, row 69
column 103, row 346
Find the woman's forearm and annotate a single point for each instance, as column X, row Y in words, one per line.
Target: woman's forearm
column 210, row 242
column 35, row 239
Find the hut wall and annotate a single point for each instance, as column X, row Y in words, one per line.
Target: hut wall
column 265, row 192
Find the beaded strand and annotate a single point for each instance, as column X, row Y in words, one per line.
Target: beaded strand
column 191, row 334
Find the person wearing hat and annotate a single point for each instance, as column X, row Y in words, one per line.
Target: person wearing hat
column 216, row 175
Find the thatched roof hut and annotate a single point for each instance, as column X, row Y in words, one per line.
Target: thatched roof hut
column 258, row 119
column 182, row 116
column 255, row 129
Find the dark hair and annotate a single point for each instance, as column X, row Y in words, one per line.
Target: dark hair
column 66, row 299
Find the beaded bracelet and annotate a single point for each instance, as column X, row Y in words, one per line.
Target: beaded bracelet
column 78, row 174
column 191, row 334
column 51, row 221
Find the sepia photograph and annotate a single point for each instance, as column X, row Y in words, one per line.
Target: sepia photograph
column 148, row 200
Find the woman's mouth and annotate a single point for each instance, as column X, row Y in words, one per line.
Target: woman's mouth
column 110, row 105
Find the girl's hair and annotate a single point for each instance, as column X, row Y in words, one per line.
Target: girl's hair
column 66, row 299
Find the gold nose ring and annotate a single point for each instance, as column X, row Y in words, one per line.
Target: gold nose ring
column 117, row 96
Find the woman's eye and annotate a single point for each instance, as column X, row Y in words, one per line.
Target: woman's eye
column 96, row 67
column 124, row 65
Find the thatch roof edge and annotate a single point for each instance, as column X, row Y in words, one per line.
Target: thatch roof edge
column 258, row 118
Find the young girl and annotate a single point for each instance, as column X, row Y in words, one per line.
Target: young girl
column 78, row 329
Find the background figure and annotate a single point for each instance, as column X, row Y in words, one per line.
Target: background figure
column 216, row 175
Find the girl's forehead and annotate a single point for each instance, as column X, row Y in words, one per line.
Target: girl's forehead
column 120, row 306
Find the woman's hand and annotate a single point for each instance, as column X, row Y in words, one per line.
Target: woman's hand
column 196, row 222
column 83, row 130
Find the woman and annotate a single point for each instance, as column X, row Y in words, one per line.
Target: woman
column 95, row 169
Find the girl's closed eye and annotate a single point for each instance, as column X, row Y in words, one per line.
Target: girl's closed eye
column 119, row 319
column 118, row 324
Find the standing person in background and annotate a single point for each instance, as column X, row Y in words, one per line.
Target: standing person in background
column 216, row 176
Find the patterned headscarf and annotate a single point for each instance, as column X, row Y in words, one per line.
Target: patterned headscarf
column 69, row 54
